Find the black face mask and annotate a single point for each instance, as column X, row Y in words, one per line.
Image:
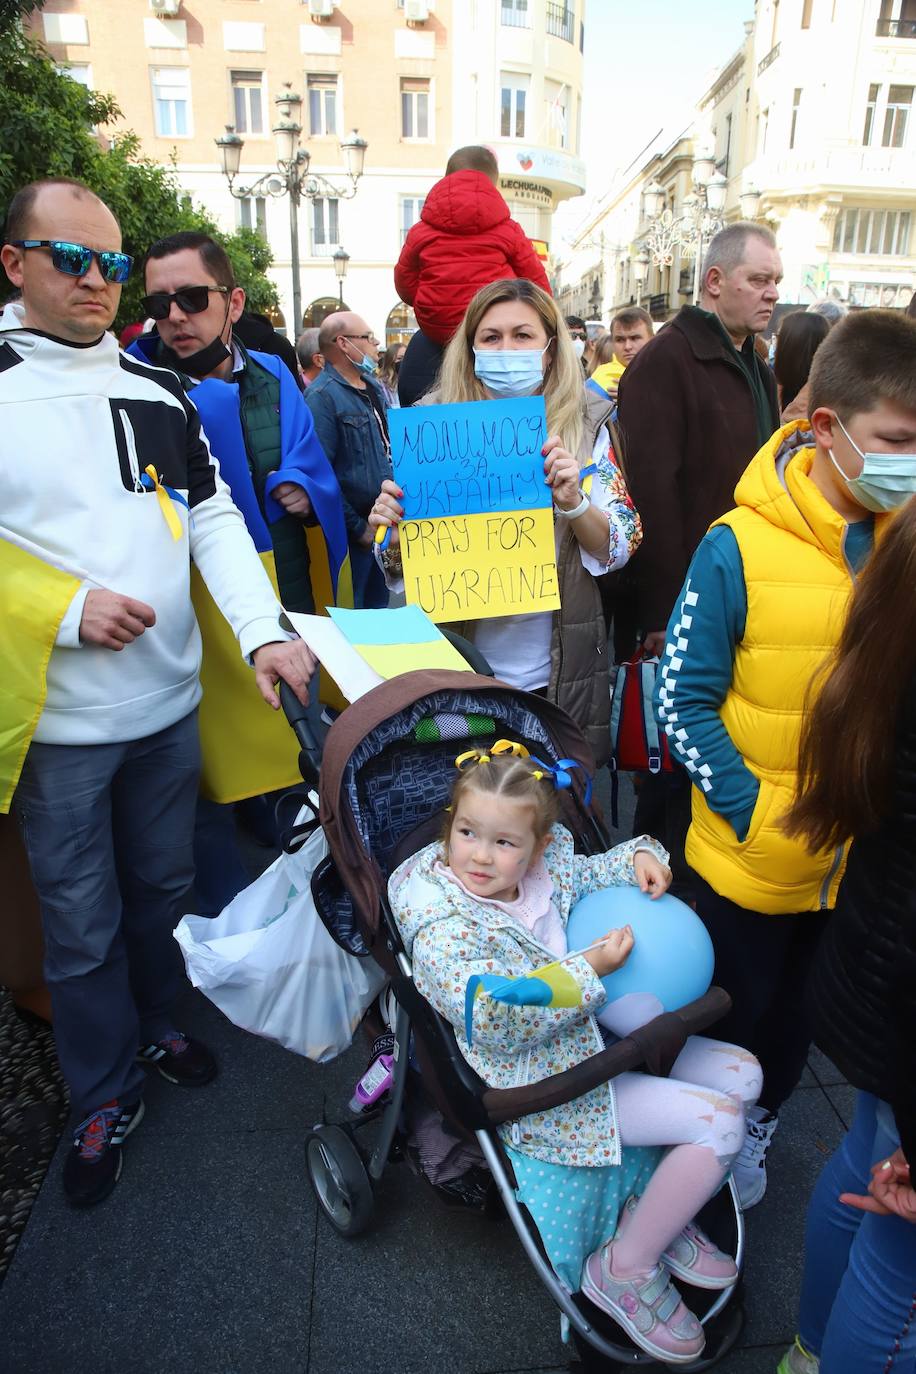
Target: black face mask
column 204, row 361
column 199, row 364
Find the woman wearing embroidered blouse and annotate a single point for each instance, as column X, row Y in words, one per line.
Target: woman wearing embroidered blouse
column 513, row 342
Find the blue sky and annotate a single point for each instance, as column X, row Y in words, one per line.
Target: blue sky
column 646, row 62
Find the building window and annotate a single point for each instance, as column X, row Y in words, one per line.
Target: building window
column 796, row 106
column 561, row 21
column 763, row 128
column 248, row 101
column 325, row 227
column 882, row 233
column 726, row 161
column 322, row 106
column 871, row 107
column 415, row 121
column 513, row 101
column 253, row 214
column 80, row 72
column 807, row 7
column 411, row 209
column 514, row 14
column 557, row 100
column 899, row 100
column 172, row 101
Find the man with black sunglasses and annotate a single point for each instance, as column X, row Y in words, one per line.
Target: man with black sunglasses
column 107, row 491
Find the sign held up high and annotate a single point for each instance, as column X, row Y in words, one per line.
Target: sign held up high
column 477, row 534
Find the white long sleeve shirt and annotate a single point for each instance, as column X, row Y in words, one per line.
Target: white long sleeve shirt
column 78, row 426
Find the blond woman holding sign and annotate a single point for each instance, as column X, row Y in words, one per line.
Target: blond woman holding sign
column 513, row 342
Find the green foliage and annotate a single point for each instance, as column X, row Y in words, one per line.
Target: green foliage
column 47, row 123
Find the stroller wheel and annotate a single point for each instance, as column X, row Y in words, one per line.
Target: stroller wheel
column 339, row 1179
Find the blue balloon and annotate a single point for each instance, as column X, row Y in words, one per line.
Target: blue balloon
column 672, row 959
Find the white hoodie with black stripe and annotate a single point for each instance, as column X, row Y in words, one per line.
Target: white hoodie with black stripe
column 78, row 427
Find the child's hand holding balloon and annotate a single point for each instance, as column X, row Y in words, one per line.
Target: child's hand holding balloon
column 653, row 877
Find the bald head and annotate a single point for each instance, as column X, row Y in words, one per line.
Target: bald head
column 345, row 339
column 51, row 195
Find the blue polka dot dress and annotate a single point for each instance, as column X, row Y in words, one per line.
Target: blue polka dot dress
column 575, row 1208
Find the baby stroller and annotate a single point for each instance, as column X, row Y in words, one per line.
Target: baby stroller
column 385, row 777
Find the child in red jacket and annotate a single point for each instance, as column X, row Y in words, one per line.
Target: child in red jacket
column 465, row 239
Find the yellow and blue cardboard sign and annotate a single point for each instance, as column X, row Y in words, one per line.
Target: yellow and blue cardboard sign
column 477, row 534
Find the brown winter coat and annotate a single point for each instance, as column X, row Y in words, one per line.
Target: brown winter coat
column 688, row 427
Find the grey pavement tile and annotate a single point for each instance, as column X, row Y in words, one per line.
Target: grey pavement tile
column 809, row 1131
column 824, row 1071
column 437, row 1290
column 260, row 1086
column 757, row 1359
column 843, row 1099
column 199, row 1263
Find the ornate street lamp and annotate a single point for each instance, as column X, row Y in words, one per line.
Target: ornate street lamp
column 341, row 258
column 750, row 202
column 291, row 176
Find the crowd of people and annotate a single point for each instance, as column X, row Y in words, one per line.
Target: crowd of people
column 747, row 525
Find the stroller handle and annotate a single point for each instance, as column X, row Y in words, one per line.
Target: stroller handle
column 309, row 748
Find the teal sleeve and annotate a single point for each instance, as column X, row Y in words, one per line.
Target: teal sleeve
column 707, row 623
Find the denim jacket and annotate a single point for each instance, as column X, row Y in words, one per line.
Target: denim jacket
column 352, row 439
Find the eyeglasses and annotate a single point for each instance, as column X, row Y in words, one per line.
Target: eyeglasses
column 75, row 259
column 191, row 300
column 578, row 334
column 370, row 338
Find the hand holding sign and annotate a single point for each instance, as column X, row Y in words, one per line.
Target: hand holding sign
column 476, row 519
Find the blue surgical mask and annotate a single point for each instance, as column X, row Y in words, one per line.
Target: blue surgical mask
column 886, row 481
column 510, row 371
column 366, row 365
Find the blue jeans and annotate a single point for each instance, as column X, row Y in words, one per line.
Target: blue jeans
column 858, row 1303
column 108, row 829
column 369, row 590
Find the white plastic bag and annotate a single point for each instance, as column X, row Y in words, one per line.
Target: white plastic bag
column 269, row 964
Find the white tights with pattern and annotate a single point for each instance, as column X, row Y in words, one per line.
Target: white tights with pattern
column 698, row 1110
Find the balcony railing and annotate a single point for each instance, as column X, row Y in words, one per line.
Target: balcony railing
column 561, row 22
column 768, row 60
column 896, row 28
column 515, row 18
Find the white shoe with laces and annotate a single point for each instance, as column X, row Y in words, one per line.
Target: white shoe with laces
column 749, row 1169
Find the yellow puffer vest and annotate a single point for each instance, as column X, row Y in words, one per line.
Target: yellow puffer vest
column 798, row 581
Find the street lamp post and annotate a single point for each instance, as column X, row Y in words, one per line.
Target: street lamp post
column 689, row 231
column 341, row 258
column 291, row 176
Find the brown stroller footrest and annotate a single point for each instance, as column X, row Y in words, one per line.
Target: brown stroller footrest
column 653, row 1047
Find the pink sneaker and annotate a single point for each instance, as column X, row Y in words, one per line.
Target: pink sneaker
column 647, row 1306
column 691, row 1256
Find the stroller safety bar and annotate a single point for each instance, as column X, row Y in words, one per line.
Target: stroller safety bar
column 654, row 1046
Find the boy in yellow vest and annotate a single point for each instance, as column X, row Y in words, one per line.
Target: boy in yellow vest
column 762, row 607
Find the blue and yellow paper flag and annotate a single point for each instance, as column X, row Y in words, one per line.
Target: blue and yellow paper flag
column 397, row 640
column 550, row 986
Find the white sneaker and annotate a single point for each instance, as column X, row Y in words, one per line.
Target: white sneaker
column 749, row 1169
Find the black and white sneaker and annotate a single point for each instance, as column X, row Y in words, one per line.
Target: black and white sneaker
column 180, row 1059
column 93, row 1166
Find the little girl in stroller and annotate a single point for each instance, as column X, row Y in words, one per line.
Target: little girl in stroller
column 494, row 896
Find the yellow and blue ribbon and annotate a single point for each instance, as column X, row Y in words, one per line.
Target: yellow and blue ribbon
column 166, row 496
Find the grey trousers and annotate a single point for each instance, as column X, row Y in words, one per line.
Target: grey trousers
column 108, row 829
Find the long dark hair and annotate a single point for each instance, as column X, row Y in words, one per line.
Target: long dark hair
column 846, row 761
column 800, row 336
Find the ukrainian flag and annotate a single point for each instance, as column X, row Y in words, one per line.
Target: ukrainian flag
column 248, row 749
column 550, row 986
column 34, row 596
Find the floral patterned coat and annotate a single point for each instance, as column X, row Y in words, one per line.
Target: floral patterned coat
column 448, row 937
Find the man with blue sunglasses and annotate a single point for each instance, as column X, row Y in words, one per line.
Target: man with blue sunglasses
column 99, row 744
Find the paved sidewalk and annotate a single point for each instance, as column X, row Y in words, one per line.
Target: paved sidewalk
column 210, row 1258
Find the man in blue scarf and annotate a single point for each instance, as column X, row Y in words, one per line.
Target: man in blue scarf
column 263, row 437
